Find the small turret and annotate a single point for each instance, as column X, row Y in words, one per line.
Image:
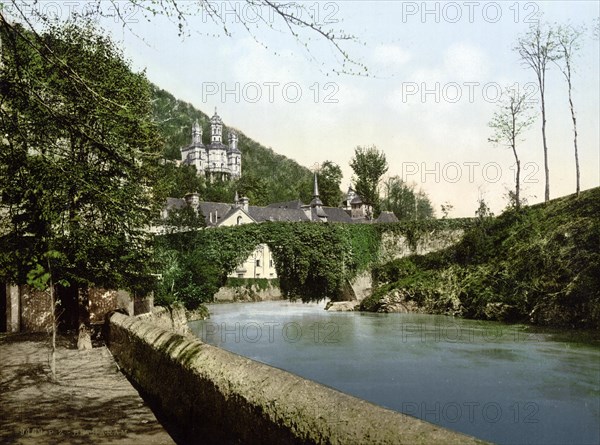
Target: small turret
column 233, row 140
column 196, row 133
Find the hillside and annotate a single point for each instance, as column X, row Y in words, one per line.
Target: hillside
column 266, row 176
column 540, row 265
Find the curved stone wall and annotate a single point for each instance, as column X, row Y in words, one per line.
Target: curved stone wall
column 214, row 396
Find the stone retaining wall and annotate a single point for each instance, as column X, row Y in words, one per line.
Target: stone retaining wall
column 216, row 397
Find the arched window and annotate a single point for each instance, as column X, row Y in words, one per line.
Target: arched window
column 239, row 220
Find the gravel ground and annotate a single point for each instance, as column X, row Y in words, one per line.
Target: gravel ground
column 90, row 403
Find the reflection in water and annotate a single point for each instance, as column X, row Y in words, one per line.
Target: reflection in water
column 494, row 381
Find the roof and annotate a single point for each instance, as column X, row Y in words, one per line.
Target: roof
column 175, row 203
column 290, row 211
column 216, row 208
column 297, row 204
column 218, row 146
column 337, row 214
column 386, row 217
column 261, row 214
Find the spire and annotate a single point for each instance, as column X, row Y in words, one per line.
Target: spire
column 236, row 199
column 316, row 202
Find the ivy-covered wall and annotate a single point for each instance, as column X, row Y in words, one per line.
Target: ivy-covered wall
column 315, row 261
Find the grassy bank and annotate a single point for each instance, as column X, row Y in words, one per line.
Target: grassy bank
column 539, row 265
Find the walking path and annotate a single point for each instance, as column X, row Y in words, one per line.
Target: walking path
column 91, row 402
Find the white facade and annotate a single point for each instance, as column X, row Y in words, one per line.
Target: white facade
column 260, row 263
column 216, row 160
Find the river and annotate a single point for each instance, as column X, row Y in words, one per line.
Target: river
column 501, row 383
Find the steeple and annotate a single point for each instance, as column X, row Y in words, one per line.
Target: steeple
column 316, row 202
column 316, row 187
column 216, row 129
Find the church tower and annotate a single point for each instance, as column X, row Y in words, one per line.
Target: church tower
column 216, row 129
column 215, row 161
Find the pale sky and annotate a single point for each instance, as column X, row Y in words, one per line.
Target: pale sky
column 436, row 69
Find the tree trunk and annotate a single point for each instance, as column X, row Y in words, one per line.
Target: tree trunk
column 574, row 134
column 84, row 340
column 546, row 169
column 54, row 324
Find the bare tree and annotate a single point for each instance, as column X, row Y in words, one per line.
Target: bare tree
column 301, row 21
column 568, row 40
column 512, row 118
column 537, row 48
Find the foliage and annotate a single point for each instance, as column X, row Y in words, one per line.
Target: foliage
column 249, row 283
column 330, row 179
column 76, row 159
column 369, row 165
column 313, row 261
column 540, row 265
column 406, row 203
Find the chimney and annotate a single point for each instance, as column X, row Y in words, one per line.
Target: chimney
column 245, row 202
column 192, row 199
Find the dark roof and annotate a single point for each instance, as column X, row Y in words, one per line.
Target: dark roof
column 337, row 214
column 260, row 214
column 357, row 200
column 218, row 208
column 386, row 217
column 234, row 150
column 316, row 202
column 284, row 211
column 175, row 203
column 297, row 204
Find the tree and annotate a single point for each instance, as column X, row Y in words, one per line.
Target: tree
column 330, row 178
column 446, row 208
column 369, row 165
column 537, row 48
column 569, row 43
column 175, row 181
column 404, row 201
column 512, row 118
column 253, row 187
column 76, row 165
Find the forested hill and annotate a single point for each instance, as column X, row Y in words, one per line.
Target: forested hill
column 266, row 176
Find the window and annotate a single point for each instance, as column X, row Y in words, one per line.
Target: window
column 271, row 264
column 239, row 220
column 258, row 262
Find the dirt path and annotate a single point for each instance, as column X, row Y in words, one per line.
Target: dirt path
column 92, row 401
